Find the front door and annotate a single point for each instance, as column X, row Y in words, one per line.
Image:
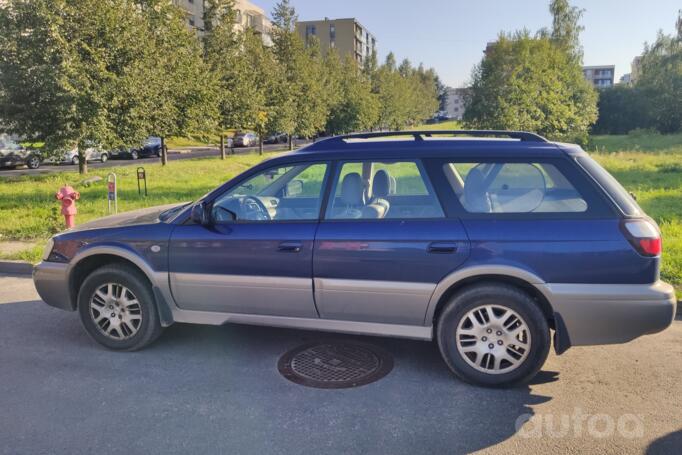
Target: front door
column 384, row 244
column 256, row 255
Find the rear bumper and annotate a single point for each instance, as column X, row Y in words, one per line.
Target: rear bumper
column 610, row 313
column 51, row 282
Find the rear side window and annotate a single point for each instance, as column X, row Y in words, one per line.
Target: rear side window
column 513, row 187
column 615, row 190
column 382, row 190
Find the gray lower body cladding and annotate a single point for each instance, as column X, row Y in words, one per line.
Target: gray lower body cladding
column 590, row 314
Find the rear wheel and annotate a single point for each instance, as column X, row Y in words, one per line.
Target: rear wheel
column 134, row 155
column 75, row 160
column 493, row 335
column 104, row 158
column 33, row 162
column 117, row 309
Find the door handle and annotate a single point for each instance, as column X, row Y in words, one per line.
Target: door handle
column 290, row 247
column 442, row 247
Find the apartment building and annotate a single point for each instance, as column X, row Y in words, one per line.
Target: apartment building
column 249, row 16
column 455, row 102
column 346, row 35
column 635, row 69
column 194, row 12
column 600, row 76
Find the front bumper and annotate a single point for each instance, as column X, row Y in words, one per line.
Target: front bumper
column 51, row 282
column 594, row 314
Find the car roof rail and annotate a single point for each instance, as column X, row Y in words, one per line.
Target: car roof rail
column 419, row 135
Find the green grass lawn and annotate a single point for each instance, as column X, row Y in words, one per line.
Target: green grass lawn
column 28, row 209
column 650, row 168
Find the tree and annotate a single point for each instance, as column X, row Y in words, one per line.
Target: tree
column 223, row 45
column 621, row 110
column 357, row 108
column 407, row 95
column 535, row 83
column 289, row 52
column 77, row 73
column 71, row 73
column 183, row 89
column 566, row 28
column 262, row 94
column 312, row 107
column 526, row 83
column 661, row 79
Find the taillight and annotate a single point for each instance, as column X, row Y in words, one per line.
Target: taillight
column 644, row 236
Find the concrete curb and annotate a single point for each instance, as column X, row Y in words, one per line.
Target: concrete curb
column 16, row 267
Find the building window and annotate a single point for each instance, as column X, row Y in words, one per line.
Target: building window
column 310, row 30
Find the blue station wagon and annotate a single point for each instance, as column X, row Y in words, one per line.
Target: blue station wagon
column 488, row 242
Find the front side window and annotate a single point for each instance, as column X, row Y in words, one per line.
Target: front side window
column 283, row 193
column 499, row 187
column 382, row 190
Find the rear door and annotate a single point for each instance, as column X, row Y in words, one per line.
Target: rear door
column 384, row 243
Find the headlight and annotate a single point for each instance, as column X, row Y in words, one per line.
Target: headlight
column 48, row 249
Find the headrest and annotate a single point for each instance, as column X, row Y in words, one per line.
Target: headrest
column 352, row 190
column 381, row 184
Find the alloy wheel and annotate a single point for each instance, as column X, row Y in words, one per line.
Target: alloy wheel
column 116, row 311
column 33, row 162
column 493, row 339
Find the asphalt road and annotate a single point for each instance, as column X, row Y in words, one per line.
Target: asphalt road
column 179, row 154
column 217, row 390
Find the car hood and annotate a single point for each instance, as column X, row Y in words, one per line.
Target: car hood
column 142, row 216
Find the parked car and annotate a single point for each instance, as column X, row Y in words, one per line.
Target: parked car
column 150, row 148
column 245, row 139
column 12, row 154
column 276, row 138
column 91, row 154
column 486, row 246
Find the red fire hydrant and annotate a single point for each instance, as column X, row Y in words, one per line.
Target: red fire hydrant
column 68, row 196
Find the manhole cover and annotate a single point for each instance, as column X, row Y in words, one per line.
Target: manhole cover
column 335, row 364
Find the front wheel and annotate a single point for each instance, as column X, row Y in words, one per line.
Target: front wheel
column 75, row 160
column 104, row 158
column 134, row 155
column 493, row 335
column 117, row 309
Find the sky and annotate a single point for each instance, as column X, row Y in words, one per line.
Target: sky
column 450, row 35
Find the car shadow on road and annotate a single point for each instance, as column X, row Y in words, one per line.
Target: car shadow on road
column 218, row 389
column 668, row 444
column 420, row 404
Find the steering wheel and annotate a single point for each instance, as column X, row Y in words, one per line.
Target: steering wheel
column 254, row 209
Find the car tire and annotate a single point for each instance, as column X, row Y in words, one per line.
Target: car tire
column 134, row 155
column 75, row 160
column 482, row 351
column 158, row 153
column 104, row 158
column 33, row 162
column 133, row 322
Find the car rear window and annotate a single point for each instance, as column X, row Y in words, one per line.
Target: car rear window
column 614, row 189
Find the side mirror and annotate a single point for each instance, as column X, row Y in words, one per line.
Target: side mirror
column 200, row 214
column 294, row 188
